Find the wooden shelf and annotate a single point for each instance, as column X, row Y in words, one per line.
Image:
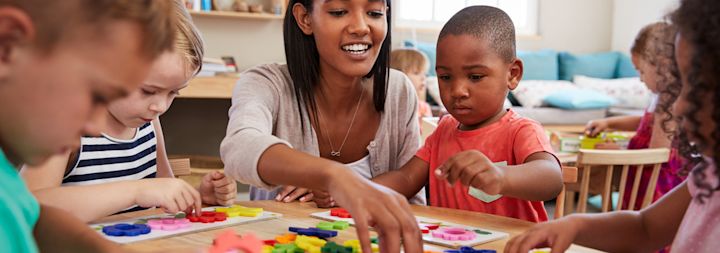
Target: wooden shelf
column 241, row 15
column 209, row 87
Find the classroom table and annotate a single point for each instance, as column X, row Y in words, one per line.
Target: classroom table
column 298, row 214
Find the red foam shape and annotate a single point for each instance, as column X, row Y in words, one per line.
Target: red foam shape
column 340, row 212
column 228, row 241
column 270, row 242
column 208, row 217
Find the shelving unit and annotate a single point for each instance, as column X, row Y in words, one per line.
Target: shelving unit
column 230, row 14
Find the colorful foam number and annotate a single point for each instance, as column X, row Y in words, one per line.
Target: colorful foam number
column 124, row 229
column 207, row 217
column 332, row 247
column 168, row 224
column 238, row 210
column 336, row 225
column 454, row 234
column 310, row 244
column 466, row 249
column 314, row 232
column 340, row 212
column 286, row 238
column 228, row 241
column 287, row 248
column 355, row 245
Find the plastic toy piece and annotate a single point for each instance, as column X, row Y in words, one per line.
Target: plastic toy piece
column 355, row 244
column 314, row 232
column 466, row 249
column 454, row 234
column 337, row 225
column 374, row 240
column 482, row 232
column 332, row 247
column 207, row 217
column 430, row 226
column 238, row 210
column 340, row 212
column 286, row 238
column 310, row 244
column 270, row 242
column 124, row 229
column 267, row 249
column 287, row 248
column 168, row 224
column 228, row 241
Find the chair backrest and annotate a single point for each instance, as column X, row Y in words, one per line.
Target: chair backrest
column 608, row 159
column 180, row 167
column 569, row 176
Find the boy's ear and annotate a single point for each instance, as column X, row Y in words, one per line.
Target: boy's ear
column 16, row 29
column 516, row 73
column 302, row 18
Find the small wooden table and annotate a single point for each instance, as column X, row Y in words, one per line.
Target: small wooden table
column 298, row 214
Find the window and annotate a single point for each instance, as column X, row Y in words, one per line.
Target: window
column 432, row 14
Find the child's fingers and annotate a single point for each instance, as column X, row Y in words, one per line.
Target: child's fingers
column 284, row 192
column 297, row 193
column 308, row 197
column 194, row 197
column 217, row 175
column 224, row 187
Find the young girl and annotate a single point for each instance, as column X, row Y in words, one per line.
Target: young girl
column 415, row 66
column 62, row 61
column 103, row 176
column 687, row 217
column 653, row 56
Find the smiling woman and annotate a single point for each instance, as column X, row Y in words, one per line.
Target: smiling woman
column 335, row 112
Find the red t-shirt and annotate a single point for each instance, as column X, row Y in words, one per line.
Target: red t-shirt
column 511, row 139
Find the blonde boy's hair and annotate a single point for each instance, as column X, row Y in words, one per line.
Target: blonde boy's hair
column 409, row 60
column 54, row 20
column 188, row 41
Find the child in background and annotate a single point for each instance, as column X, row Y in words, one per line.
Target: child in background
column 482, row 158
column 62, row 61
column 687, row 216
column 653, row 56
column 415, row 65
column 117, row 171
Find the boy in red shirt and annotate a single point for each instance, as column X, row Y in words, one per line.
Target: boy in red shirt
column 483, row 157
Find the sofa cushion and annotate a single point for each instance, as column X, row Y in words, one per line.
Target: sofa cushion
column 628, row 92
column 540, row 65
column 530, row 93
column 599, row 65
column 625, row 67
column 579, row 99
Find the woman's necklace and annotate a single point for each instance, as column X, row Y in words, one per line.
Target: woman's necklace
column 334, row 153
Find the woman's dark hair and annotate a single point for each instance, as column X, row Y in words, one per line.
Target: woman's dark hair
column 699, row 23
column 303, row 62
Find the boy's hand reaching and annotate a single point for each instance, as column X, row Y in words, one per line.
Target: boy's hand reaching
column 557, row 234
column 473, row 168
column 595, row 127
column 218, row 189
column 171, row 194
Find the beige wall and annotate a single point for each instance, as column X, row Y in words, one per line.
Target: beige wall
column 630, row 16
column 568, row 25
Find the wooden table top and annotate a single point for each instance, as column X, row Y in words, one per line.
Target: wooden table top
column 298, row 215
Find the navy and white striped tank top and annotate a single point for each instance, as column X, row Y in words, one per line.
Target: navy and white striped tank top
column 106, row 159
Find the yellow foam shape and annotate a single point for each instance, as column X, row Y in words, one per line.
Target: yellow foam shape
column 355, row 244
column 267, row 249
column 305, row 242
column 238, row 210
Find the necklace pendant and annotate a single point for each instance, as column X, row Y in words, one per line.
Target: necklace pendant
column 335, row 153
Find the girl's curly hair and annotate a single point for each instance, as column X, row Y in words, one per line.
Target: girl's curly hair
column 699, row 23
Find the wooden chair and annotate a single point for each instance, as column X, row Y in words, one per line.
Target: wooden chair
column 589, row 159
column 180, row 167
column 569, row 176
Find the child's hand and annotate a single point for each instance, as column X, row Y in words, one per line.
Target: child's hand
column 557, row 234
column 323, row 199
column 291, row 193
column 171, row 194
column 218, row 189
column 473, row 168
column 595, row 127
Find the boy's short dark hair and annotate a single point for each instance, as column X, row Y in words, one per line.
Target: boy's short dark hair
column 485, row 23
